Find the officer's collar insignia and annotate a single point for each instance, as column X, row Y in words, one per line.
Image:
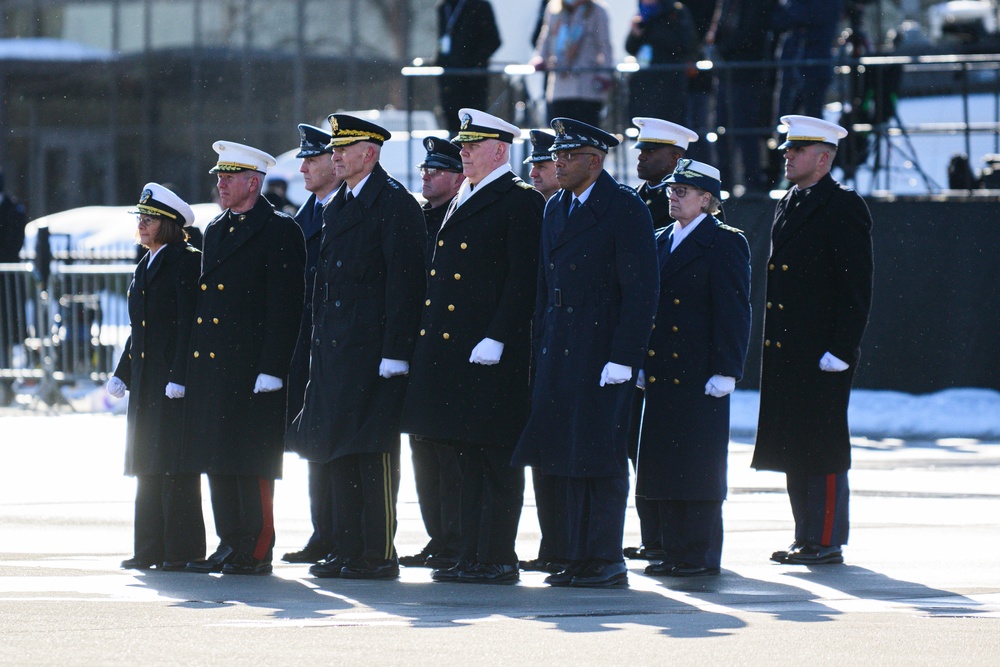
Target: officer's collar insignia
column 466, row 121
column 146, row 194
column 559, row 127
column 334, row 128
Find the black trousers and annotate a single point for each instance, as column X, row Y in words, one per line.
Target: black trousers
column 169, row 525
column 596, row 512
column 648, row 510
column 243, row 507
column 322, row 508
column 439, row 490
column 692, row 532
column 550, row 501
column 492, row 496
column 366, row 486
column 821, row 507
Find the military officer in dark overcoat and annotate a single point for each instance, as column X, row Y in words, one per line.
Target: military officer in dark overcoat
column 543, row 169
column 321, row 181
column 366, row 308
column 246, row 322
column 435, row 462
column 819, row 291
column 596, row 299
column 660, row 144
column 169, row 527
column 696, row 354
column 469, row 380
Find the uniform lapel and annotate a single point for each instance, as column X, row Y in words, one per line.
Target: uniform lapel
column 796, row 216
column 481, row 197
column 691, row 248
column 588, row 215
column 242, row 228
column 352, row 213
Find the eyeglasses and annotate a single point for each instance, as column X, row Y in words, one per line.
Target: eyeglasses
column 566, row 156
column 147, row 220
column 681, row 192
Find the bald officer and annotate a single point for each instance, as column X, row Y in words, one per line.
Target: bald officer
column 247, row 318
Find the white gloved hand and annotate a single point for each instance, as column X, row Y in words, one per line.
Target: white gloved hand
column 266, row 383
column 393, row 367
column 116, row 387
column 640, row 380
column 719, row 386
column 487, row 352
column 832, row 364
column 615, row 373
column 174, row 390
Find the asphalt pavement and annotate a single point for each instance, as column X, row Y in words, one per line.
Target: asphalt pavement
column 921, row 585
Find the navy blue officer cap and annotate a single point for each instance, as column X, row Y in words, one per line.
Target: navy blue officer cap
column 346, row 130
column 541, row 141
column 441, row 154
column 313, row 141
column 572, row 134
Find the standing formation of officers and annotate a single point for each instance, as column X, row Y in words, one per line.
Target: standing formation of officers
column 568, row 327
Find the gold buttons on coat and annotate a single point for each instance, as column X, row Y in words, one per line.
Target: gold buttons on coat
column 784, row 267
column 215, row 320
column 440, row 243
column 427, row 303
column 651, row 353
column 446, row 336
column 770, row 267
column 676, row 381
column 423, row 332
column 674, row 355
column 204, row 287
column 211, row 354
column 221, row 286
column 769, row 304
column 458, row 276
column 651, row 379
column 677, row 302
column 144, row 323
column 433, row 272
column 781, row 306
column 767, row 343
column 142, row 355
column 199, row 320
column 451, row 306
column 778, row 344
column 464, row 246
column 674, row 329
column 196, row 355
column 231, row 229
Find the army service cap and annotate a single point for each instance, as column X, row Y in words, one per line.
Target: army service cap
column 346, row 130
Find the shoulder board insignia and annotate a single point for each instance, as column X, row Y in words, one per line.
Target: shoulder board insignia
column 526, row 186
column 735, row 230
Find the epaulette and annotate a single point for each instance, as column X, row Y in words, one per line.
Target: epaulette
column 726, row 227
column 191, row 248
column 393, row 183
column 629, row 189
column 523, row 185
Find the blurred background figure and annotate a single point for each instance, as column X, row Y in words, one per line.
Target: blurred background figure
column 467, row 37
column 807, row 29
column 13, row 220
column 169, row 527
column 275, row 191
column 662, row 33
column 574, row 45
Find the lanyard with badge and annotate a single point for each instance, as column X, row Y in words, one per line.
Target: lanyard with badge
column 444, row 44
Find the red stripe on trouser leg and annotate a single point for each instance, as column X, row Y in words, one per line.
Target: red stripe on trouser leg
column 267, row 513
column 829, row 509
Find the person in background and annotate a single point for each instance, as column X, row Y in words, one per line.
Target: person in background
column 808, row 29
column 169, row 527
column 250, row 296
column 276, row 193
column 696, row 355
column 819, row 293
column 467, row 38
column 575, row 48
column 662, row 34
column 543, row 169
column 435, row 462
column 13, row 295
column 321, row 181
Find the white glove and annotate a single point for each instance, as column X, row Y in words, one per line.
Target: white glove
column 719, row 386
column 615, row 373
column 487, row 352
column 174, row 390
column 266, row 383
column 393, row 367
column 116, row 387
column 832, row 364
column 640, row 381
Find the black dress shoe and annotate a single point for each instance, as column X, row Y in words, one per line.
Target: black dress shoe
column 780, row 555
column 815, row 554
column 136, row 564
column 565, row 576
column 659, row 569
column 601, row 575
column 311, row 554
column 643, row 553
column 536, row 565
column 417, row 560
column 172, row 565
column 490, row 573
column 246, row 564
column 441, row 561
column 213, row 563
column 328, row 568
column 685, row 570
column 451, row 573
column 363, row 568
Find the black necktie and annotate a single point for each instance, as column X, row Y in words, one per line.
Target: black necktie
column 349, row 197
column 318, row 211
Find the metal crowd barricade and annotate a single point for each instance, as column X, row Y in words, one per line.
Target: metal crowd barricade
column 64, row 328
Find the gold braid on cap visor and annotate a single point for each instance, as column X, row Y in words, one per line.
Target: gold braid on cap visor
column 670, row 142
column 466, row 135
column 345, row 139
column 149, row 210
column 235, row 166
column 791, row 138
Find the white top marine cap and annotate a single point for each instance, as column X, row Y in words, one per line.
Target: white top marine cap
column 480, row 126
column 235, row 157
column 655, row 133
column 806, row 130
column 159, row 201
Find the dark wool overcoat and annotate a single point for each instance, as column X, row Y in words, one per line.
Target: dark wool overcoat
column 702, row 329
column 819, row 292
column 480, row 284
column 596, row 299
column 366, row 307
column 246, row 322
column 161, row 306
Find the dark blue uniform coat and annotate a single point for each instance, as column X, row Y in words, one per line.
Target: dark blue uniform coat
column 246, row 322
column 366, row 307
column 819, row 291
column 702, row 329
column 481, row 284
column 597, row 289
column 161, row 308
